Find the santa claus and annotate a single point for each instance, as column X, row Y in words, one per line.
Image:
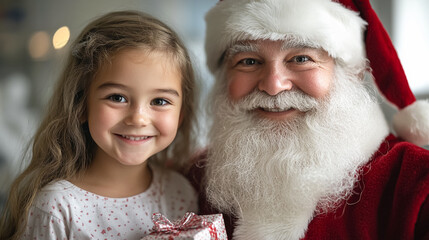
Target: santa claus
column 299, row 147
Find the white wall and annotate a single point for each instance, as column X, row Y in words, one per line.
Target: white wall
column 411, row 37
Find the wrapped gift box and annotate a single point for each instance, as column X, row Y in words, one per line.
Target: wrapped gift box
column 191, row 226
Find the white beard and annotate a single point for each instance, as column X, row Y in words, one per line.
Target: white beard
column 276, row 176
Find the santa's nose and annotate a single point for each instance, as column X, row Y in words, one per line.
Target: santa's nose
column 275, row 78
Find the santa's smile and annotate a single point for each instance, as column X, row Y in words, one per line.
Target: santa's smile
column 275, row 109
column 277, row 113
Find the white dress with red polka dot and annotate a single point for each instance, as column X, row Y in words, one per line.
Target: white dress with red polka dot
column 64, row 211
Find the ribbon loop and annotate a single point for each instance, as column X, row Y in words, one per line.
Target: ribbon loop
column 188, row 221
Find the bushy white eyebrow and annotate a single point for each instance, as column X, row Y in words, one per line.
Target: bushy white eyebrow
column 241, row 47
column 304, row 47
column 288, row 45
column 290, row 42
column 296, row 42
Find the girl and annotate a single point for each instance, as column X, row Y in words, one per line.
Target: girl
column 95, row 171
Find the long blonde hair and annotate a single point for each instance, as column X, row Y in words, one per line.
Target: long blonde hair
column 62, row 146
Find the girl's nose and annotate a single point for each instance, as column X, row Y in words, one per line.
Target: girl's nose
column 137, row 117
column 276, row 78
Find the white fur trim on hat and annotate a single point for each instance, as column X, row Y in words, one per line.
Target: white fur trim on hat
column 412, row 123
column 317, row 23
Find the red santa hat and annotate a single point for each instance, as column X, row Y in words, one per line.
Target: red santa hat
column 349, row 30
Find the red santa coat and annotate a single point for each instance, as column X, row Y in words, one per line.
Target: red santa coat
column 391, row 200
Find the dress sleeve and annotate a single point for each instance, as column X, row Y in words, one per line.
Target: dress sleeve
column 42, row 225
column 178, row 196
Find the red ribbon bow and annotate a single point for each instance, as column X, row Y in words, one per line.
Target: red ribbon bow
column 189, row 221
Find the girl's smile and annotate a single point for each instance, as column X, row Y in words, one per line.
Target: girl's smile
column 135, row 138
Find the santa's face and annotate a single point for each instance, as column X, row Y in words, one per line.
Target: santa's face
column 274, row 67
column 281, row 169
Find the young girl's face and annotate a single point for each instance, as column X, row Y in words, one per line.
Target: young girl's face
column 134, row 106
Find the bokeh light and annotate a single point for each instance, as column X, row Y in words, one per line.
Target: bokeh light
column 61, row 37
column 38, row 45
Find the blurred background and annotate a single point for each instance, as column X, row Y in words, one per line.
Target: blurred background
column 35, row 37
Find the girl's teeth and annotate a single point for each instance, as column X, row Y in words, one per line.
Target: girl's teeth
column 134, row 138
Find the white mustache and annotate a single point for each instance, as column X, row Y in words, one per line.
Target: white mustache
column 283, row 101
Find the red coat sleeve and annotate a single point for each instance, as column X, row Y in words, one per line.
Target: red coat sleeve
column 390, row 200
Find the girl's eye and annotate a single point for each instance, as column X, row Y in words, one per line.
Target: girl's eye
column 159, row 102
column 300, row 59
column 117, row 98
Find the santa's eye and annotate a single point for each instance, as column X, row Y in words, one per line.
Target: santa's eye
column 248, row 61
column 300, row 59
